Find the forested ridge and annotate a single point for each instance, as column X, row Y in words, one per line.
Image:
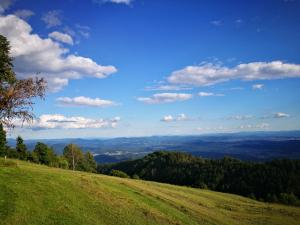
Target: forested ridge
column 273, row 181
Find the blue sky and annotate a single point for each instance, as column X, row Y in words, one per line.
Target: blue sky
column 135, row 68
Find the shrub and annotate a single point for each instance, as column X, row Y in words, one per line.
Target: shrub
column 118, row 173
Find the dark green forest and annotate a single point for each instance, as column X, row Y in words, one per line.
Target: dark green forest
column 273, row 181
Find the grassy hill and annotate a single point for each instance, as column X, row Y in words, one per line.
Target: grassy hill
column 36, row 195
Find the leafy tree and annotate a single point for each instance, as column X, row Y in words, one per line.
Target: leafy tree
column 3, row 147
column 62, row 162
column 74, row 156
column 16, row 94
column 45, row 154
column 21, row 148
column 89, row 163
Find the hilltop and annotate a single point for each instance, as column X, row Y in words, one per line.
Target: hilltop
column 35, row 194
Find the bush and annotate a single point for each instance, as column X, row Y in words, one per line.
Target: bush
column 118, row 173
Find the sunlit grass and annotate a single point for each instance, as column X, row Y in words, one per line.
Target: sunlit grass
column 34, row 194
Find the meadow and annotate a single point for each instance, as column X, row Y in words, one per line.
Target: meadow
column 36, row 194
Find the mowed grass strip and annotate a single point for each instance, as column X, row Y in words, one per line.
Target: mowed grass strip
column 35, row 194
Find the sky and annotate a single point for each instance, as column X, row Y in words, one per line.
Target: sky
column 142, row 67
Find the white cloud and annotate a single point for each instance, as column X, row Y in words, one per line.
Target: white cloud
column 24, row 13
column 257, row 86
column 5, row 4
column 260, row 126
column 165, row 98
column 32, row 55
column 85, row 101
column 207, row 94
column 216, row 22
column 126, row 2
column 167, row 88
column 170, row 118
column 58, row 36
column 209, row 74
column 57, row 121
column 52, row 18
column 281, row 115
column 240, row 117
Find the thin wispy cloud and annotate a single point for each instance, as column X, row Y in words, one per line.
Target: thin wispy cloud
column 216, row 22
column 180, row 117
column 167, row 88
column 126, row 2
column 162, row 98
column 257, row 86
column 208, row 94
column 85, row 101
column 52, row 18
column 24, row 14
column 58, row 121
column 5, row 4
column 240, row 117
column 61, row 37
column 281, row 115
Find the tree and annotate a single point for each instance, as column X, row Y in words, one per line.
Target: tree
column 16, row 94
column 89, row 163
column 74, row 156
column 45, row 154
column 21, row 148
column 3, row 147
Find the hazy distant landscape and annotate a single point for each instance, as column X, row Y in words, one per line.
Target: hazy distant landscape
column 253, row 146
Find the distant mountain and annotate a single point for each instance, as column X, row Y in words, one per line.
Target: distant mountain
column 254, row 146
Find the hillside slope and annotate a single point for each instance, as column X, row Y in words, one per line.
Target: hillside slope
column 35, row 195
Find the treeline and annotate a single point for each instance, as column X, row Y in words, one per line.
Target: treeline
column 72, row 158
column 274, row 181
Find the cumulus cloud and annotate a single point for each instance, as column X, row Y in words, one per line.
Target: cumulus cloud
column 209, row 73
column 64, row 38
column 24, row 13
column 257, row 86
column 57, row 121
column 207, row 94
column 170, row 118
column 165, row 98
column 33, row 54
column 281, row 115
column 52, row 18
column 84, row 101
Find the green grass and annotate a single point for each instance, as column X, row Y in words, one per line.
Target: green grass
column 37, row 195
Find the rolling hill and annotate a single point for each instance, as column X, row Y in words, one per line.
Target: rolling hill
column 34, row 194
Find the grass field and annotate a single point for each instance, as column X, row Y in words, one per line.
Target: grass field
column 37, row 195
